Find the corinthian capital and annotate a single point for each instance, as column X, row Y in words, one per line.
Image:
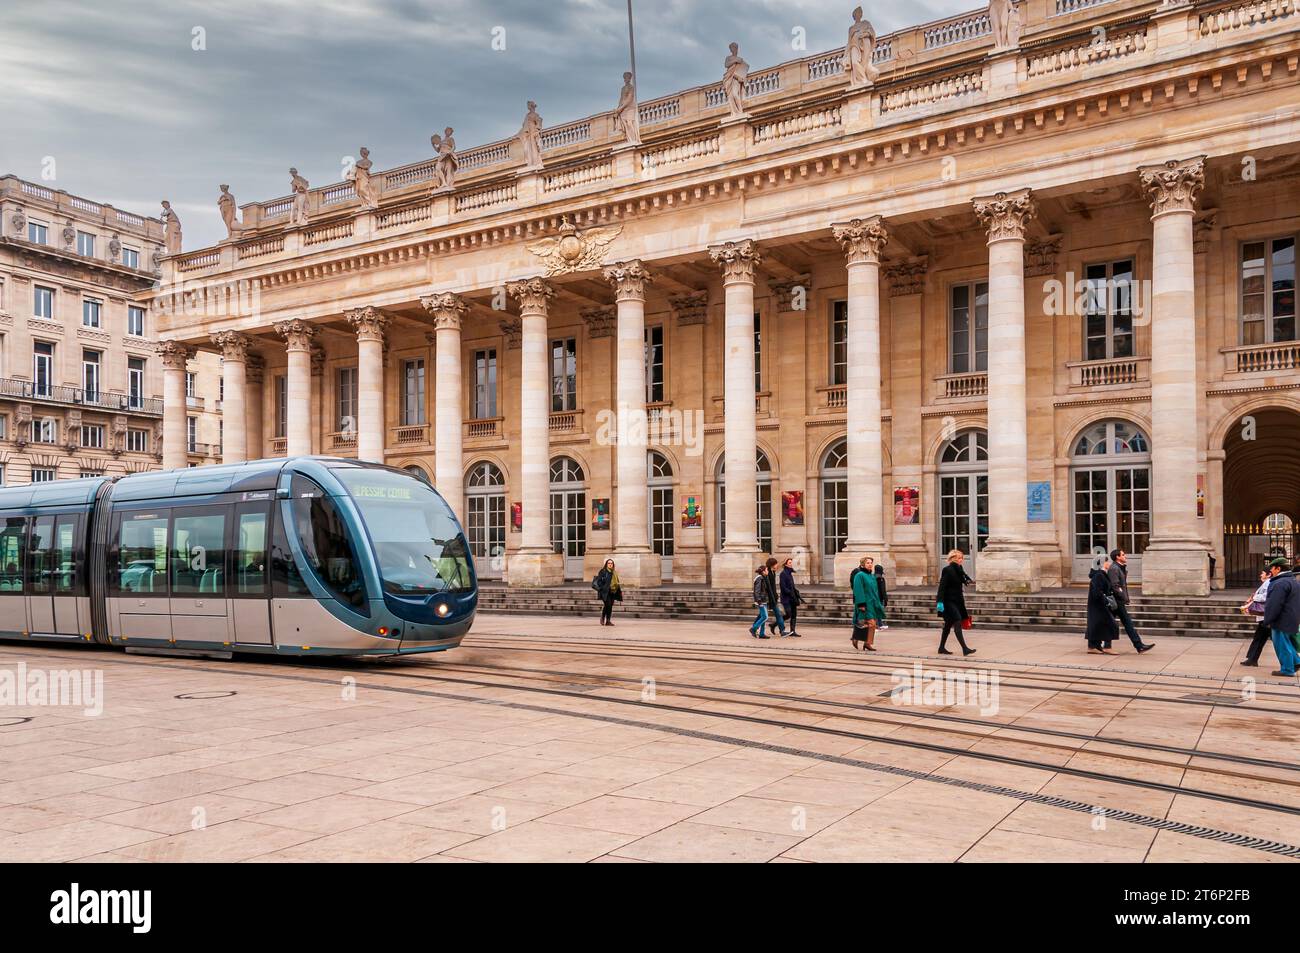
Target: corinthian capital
column 1173, row 186
column 736, row 259
column 297, row 334
column 174, row 354
column 369, row 323
column 629, row 279
column 447, row 309
column 863, row 239
column 234, row 346
column 1006, row 214
column 533, row 294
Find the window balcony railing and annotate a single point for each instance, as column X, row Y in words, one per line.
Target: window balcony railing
column 199, row 449
column 959, row 386
column 279, row 446
column 343, row 440
column 410, row 435
column 1264, row 358
column 485, row 428
column 835, row 397
column 77, row 396
column 1115, row 372
column 567, row 421
column 193, row 403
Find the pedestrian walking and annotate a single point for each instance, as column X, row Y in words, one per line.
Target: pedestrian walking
column 867, row 610
column 1254, row 607
column 1118, row 574
column 790, row 596
column 760, row 603
column 951, row 602
column 609, row 590
column 776, row 621
column 1282, row 614
column 884, row 596
column 1102, row 626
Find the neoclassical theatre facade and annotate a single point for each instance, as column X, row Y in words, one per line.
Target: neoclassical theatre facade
column 1020, row 282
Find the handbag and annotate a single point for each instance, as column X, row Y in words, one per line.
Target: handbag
column 938, row 609
column 1255, row 608
column 1112, row 604
column 966, row 623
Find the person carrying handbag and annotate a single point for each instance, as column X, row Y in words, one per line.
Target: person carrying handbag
column 1102, row 625
column 609, row 590
column 867, row 610
column 951, row 602
column 1254, row 607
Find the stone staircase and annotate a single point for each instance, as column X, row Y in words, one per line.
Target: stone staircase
column 1060, row 610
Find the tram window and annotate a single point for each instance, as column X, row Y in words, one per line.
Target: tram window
column 142, row 559
column 65, row 556
column 250, row 554
column 40, row 556
column 325, row 540
column 286, row 579
column 12, row 547
column 198, row 555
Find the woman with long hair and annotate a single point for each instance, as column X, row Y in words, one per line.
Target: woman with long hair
column 952, row 602
column 609, row 590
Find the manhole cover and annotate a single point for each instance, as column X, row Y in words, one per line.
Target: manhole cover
column 204, row 696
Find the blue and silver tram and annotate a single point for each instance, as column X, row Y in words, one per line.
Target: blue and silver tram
column 282, row 557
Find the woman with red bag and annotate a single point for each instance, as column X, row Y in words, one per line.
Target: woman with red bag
column 952, row 602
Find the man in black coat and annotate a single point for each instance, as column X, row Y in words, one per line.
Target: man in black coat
column 1118, row 574
column 1282, row 614
column 777, row 622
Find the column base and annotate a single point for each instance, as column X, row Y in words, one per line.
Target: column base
column 848, row 559
column 734, row 570
column 638, row 570
column 690, row 567
column 534, row 570
column 1008, row 567
column 1176, row 569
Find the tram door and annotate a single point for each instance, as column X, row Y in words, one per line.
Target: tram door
column 198, row 574
column 248, row 601
column 13, row 544
column 67, row 584
column 52, row 576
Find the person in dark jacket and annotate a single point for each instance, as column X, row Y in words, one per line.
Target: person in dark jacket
column 760, row 603
column 952, row 598
column 884, row 593
column 1118, row 574
column 790, row 597
column 776, row 619
column 609, row 590
column 1102, row 626
column 1282, row 614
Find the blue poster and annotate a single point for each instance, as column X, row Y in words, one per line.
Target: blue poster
column 1040, row 502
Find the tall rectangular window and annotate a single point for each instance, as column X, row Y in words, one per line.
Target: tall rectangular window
column 968, row 328
column 413, row 413
column 654, row 364
column 1268, row 311
column 190, row 384
column 42, row 368
column 131, row 257
column 485, row 384
column 346, row 400
column 137, row 440
column 45, row 430
column 135, row 382
column 38, row 233
column 758, row 353
column 564, row 375
column 86, row 244
column 1108, row 311
column 91, row 312
column 92, row 436
column 90, row 375
column 43, row 302
column 281, row 406
column 135, row 321
column 839, row 343
column 192, row 434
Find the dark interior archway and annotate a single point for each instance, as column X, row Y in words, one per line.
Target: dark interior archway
column 1261, row 476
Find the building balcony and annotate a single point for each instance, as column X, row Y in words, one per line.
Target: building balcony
column 1263, row 358
column 194, row 403
column 342, row 440
column 78, row 397
column 1117, row 372
column 204, row 450
column 279, row 446
column 834, row 397
column 409, row 435
column 962, row 386
column 566, row 421
column 483, row 428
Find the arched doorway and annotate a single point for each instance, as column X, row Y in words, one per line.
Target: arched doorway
column 569, row 514
column 1261, row 493
column 1110, row 481
column 659, row 480
column 485, row 518
column 964, row 496
column 834, row 473
column 763, row 492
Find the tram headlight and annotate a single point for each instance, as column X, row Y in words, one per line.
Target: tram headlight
column 443, row 610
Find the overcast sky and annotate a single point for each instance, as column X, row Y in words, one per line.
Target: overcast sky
column 131, row 113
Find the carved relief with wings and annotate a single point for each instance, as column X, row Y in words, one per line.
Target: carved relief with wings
column 572, row 250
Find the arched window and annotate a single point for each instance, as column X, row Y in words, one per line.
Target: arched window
column 485, row 518
column 483, row 475
column 964, row 496
column 569, row 514
column 1110, row 482
column 763, row 492
column 418, row 473
column 659, row 481
column 834, row 474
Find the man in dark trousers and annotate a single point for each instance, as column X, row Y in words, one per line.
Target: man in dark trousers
column 1118, row 573
column 776, row 619
column 1282, row 614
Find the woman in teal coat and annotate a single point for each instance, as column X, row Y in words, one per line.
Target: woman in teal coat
column 868, row 611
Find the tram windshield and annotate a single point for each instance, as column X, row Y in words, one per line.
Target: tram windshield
column 418, row 544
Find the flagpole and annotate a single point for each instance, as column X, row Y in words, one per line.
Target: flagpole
column 631, row 42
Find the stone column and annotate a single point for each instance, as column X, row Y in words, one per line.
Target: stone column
column 448, row 311
column 863, row 241
column 535, row 563
column 733, row 568
column 174, row 355
column 1009, row 563
column 298, row 337
column 370, row 324
column 1176, row 562
column 638, row 565
column 255, row 375
column 234, row 410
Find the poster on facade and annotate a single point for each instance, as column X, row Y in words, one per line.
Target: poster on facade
column 600, row 515
column 792, row 507
column 692, row 513
column 907, row 505
column 1040, row 501
column 516, row 517
column 1200, row 496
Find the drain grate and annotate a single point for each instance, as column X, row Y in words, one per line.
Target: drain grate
column 1214, row 699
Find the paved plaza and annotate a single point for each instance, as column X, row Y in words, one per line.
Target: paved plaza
column 552, row 739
